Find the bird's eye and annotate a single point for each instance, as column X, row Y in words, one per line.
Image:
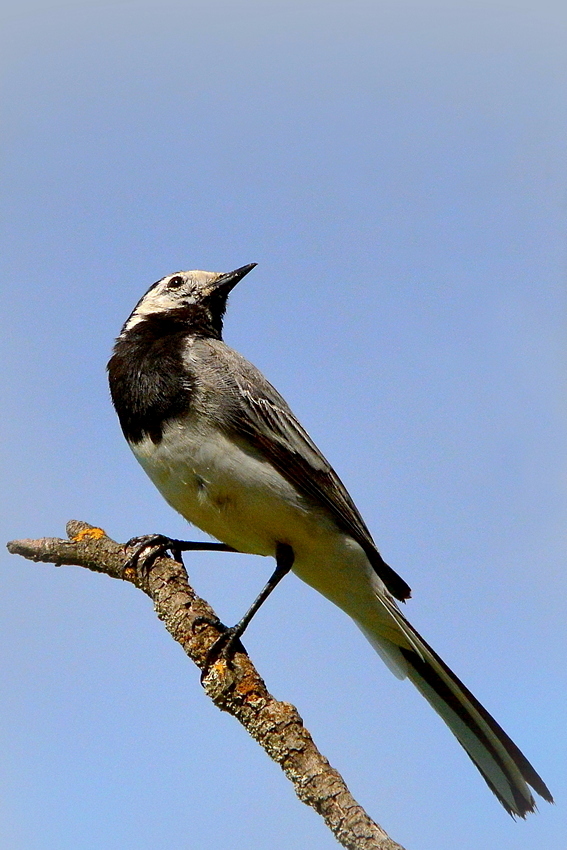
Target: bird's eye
column 175, row 282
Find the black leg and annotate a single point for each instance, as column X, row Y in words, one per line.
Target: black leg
column 151, row 546
column 226, row 643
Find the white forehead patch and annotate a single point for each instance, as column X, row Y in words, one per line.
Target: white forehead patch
column 159, row 298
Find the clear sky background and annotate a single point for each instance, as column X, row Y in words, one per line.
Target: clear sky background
column 398, row 171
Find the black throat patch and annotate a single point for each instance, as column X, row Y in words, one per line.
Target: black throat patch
column 149, row 383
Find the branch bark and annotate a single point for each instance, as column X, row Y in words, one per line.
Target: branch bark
column 237, row 689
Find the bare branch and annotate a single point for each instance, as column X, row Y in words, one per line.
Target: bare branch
column 237, row 689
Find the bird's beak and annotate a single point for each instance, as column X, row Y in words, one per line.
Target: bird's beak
column 226, row 282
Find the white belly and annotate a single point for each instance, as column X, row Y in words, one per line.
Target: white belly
column 229, row 491
column 234, row 495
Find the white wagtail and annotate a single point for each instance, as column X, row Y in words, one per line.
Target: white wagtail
column 224, row 449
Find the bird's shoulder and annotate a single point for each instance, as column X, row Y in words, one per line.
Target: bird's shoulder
column 238, row 384
column 250, row 402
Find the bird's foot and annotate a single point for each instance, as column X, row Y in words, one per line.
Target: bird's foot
column 224, row 647
column 149, row 547
column 146, row 550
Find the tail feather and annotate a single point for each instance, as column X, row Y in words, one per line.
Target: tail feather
column 503, row 766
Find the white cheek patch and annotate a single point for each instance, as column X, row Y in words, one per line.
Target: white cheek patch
column 157, row 302
column 160, row 299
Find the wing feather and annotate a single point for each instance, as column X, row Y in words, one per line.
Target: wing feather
column 267, row 422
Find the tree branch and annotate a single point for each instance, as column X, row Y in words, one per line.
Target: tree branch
column 237, row 689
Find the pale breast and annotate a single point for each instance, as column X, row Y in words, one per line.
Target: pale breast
column 228, row 490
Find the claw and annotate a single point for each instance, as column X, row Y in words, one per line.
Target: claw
column 147, row 549
column 225, row 647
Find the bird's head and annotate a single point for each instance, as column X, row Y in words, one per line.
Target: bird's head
column 194, row 298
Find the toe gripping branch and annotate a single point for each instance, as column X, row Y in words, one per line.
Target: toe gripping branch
column 148, row 547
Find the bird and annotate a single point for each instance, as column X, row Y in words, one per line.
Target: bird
column 226, row 452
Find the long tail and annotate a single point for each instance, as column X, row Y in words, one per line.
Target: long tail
column 503, row 766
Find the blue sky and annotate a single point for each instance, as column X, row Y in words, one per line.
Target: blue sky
column 398, row 172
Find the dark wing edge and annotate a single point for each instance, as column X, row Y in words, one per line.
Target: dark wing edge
column 271, row 427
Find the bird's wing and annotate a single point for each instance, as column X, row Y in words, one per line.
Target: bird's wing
column 264, row 418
